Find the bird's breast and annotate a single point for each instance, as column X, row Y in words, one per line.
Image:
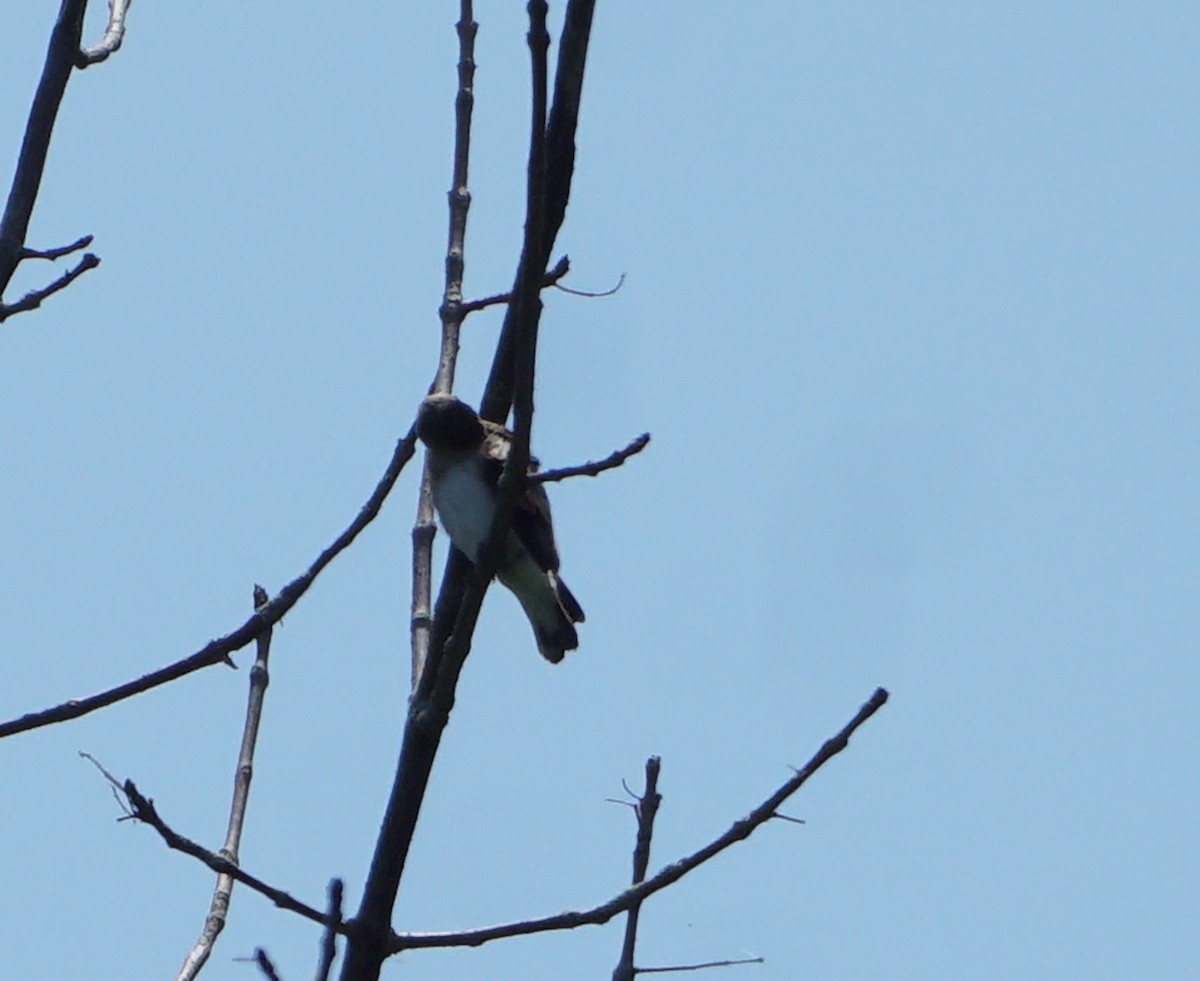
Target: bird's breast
column 465, row 505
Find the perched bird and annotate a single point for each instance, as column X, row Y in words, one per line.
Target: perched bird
column 466, row 459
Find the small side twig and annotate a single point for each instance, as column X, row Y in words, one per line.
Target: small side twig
column 222, row 893
column 79, row 243
column 552, row 277
column 33, row 299
column 329, row 937
column 699, row 967
column 590, row 294
column 594, row 468
column 645, row 809
column 218, row 651
column 144, row 811
column 265, row 965
column 114, row 34
column 739, row 831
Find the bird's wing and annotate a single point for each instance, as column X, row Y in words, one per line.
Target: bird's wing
column 531, row 513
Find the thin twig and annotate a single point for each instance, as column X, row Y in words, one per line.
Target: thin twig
column 218, row 651
column 80, row 243
column 114, row 34
column 593, row 468
column 144, row 811
column 33, row 299
column 329, row 937
column 646, row 809
column 699, row 967
column 265, row 965
column 219, row 908
column 553, row 275
column 592, row 295
column 669, row 875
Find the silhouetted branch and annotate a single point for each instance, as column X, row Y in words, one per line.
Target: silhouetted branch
column 244, row 772
column 560, row 269
column 33, row 299
column 265, row 965
column 463, row 585
column 699, row 967
column 144, row 811
column 593, row 468
column 669, row 875
column 61, row 57
column 218, row 651
column 329, row 938
column 114, row 34
column 80, row 243
column 593, row 294
column 646, row 808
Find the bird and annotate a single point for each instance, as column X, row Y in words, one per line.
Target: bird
column 466, row 456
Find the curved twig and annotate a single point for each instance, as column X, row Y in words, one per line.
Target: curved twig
column 218, row 651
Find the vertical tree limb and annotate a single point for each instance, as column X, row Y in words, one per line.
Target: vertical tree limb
column 452, row 314
column 645, row 809
column 219, row 909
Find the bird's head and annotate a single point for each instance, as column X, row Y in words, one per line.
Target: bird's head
column 447, row 423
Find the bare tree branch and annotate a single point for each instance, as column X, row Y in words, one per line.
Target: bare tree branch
column 61, row 58
column 265, row 965
column 329, row 938
column 218, row 651
column 593, row 294
column 114, row 34
column 33, row 299
column 699, row 967
column 80, row 243
column 645, row 809
column 219, row 908
column 594, row 468
column 463, row 585
column 560, row 269
column 667, row 876
column 144, row 811
column 452, row 315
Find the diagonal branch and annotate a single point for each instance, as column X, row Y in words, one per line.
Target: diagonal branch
column 219, row 908
column 739, row 831
column 144, row 811
column 33, row 299
column 31, row 164
column 594, row 468
column 218, row 651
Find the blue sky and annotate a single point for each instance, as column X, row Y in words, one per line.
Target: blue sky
column 910, row 310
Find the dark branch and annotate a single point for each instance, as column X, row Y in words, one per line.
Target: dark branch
column 81, row 243
column 699, row 967
column 218, row 651
column 560, row 269
column 114, row 34
column 463, row 584
column 62, row 55
column 242, row 775
column 143, row 810
column 329, row 938
column 645, row 809
column 669, row 875
column 592, row 294
column 33, row 299
column 265, row 965
column 594, row 468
